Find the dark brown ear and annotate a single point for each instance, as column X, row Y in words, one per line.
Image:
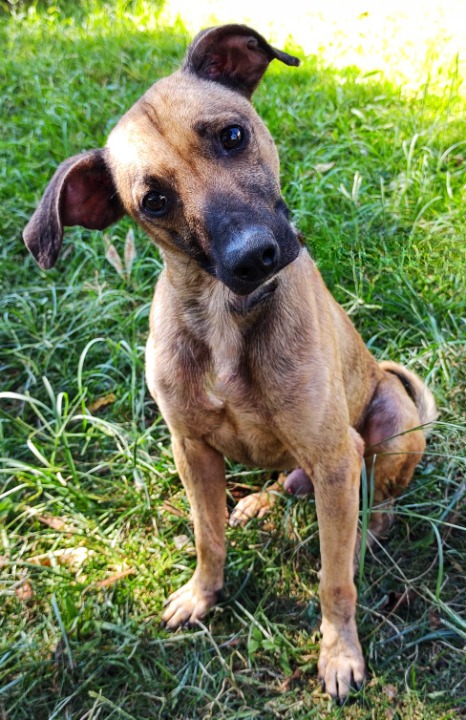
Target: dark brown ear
column 233, row 55
column 81, row 192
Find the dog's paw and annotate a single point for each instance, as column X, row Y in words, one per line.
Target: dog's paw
column 341, row 668
column 254, row 505
column 187, row 605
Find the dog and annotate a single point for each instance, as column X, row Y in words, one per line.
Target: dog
column 249, row 356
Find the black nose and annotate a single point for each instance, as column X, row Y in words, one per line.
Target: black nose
column 252, row 256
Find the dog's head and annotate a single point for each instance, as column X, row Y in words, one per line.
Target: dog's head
column 192, row 163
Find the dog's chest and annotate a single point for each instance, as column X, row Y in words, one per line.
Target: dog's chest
column 243, row 432
column 219, row 331
column 226, row 348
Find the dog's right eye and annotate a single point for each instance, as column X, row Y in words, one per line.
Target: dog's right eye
column 155, row 203
column 232, row 137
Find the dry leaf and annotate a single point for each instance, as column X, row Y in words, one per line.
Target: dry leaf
column 324, row 167
column 181, row 541
column 390, row 691
column 434, row 620
column 457, row 566
column 114, row 578
column 67, row 252
column 53, row 522
column 285, row 685
column 63, row 481
column 24, row 592
column 234, row 642
column 72, row 557
column 102, row 402
column 130, row 251
column 113, row 256
column 168, row 507
column 308, row 658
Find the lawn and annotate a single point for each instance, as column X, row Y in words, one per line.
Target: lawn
column 94, row 524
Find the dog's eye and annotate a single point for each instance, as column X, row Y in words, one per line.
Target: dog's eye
column 155, row 203
column 232, row 137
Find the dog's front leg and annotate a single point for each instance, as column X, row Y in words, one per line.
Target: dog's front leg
column 336, row 484
column 202, row 471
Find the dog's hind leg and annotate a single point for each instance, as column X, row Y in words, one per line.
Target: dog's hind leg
column 394, row 434
column 258, row 504
column 202, row 471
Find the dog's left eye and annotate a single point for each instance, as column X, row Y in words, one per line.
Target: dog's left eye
column 155, row 203
column 232, row 137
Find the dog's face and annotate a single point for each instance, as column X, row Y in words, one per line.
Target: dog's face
column 192, row 163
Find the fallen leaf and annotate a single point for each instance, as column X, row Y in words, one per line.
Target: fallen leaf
column 308, row 658
column 102, row 402
column 113, row 256
column 72, row 557
column 324, row 167
column 182, row 541
column 234, row 642
column 53, row 522
column 61, row 479
column 285, row 685
column 390, row 691
column 168, row 507
column 269, row 526
column 67, row 252
column 114, row 578
column 457, row 566
column 130, row 251
column 24, row 592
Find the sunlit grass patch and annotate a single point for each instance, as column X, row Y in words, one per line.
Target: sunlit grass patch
column 398, row 40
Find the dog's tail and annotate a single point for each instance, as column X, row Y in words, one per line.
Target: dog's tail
column 417, row 391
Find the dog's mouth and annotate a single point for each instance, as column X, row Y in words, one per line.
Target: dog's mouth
column 246, row 294
column 243, row 304
column 246, row 299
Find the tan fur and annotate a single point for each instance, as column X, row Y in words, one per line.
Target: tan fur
column 278, row 377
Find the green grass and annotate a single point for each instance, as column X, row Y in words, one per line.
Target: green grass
column 375, row 178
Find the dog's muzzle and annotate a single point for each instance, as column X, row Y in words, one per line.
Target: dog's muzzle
column 249, row 244
column 250, row 257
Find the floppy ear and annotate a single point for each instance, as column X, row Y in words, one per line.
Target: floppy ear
column 233, row 55
column 81, row 192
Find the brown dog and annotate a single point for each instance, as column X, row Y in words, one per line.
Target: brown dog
column 248, row 356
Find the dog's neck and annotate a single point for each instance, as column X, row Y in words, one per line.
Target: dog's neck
column 213, row 314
